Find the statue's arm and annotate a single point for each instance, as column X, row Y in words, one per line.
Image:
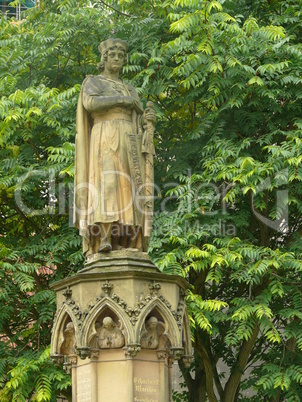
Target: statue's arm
column 94, row 100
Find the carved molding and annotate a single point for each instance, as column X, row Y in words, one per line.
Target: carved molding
column 107, row 287
column 77, row 313
column 179, row 313
column 154, row 288
column 132, row 350
column 69, row 362
column 94, row 354
column 83, row 352
column 165, row 301
column 177, row 353
column 162, row 354
column 121, row 302
column 133, row 312
column 57, row 359
column 67, row 292
column 93, row 303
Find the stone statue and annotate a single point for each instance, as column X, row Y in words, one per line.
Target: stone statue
column 109, row 335
column 114, row 159
column 154, row 337
column 68, row 344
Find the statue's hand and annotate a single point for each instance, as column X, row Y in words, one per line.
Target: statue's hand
column 127, row 101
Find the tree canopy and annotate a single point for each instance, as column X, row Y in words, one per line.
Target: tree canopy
column 226, row 81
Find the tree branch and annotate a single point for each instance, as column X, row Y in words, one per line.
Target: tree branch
column 186, row 374
column 32, row 145
column 60, row 72
column 117, row 11
column 202, row 350
column 217, row 382
column 242, row 360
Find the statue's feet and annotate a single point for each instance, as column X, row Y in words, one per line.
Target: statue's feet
column 117, row 247
column 104, row 247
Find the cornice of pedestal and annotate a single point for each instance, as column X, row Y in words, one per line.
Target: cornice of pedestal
column 125, row 264
column 122, row 259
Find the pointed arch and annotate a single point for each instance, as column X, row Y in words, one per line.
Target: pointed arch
column 94, row 313
column 61, row 319
column 174, row 332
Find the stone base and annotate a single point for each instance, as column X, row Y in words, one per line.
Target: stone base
column 131, row 360
column 111, row 377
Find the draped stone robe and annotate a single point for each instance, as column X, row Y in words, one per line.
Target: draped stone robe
column 109, row 165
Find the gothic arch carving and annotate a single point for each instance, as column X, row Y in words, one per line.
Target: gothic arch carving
column 62, row 318
column 88, row 329
column 167, row 316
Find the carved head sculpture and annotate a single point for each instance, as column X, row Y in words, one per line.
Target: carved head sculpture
column 69, row 330
column 111, row 44
column 108, row 323
column 152, row 323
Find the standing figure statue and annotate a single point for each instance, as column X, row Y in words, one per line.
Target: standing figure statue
column 113, row 193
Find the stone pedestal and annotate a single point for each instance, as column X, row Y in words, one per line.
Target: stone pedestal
column 119, row 325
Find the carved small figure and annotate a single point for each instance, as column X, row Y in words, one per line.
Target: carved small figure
column 154, row 336
column 68, row 344
column 109, row 335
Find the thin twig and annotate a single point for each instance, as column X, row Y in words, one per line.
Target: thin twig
column 60, row 72
column 117, row 11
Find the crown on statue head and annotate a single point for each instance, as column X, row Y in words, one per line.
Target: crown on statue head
column 113, row 43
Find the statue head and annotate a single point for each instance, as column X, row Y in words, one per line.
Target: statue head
column 69, row 330
column 111, row 44
column 152, row 322
column 108, row 323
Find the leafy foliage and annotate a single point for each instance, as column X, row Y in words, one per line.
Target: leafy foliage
column 43, row 60
column 234, row 224
column 225, row 77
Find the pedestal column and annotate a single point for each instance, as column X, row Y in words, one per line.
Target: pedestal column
column 125, row 321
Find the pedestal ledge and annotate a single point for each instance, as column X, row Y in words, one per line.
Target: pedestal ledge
column 122, row 265
column 122, row 260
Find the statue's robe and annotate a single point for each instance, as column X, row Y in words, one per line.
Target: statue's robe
column 109, row 165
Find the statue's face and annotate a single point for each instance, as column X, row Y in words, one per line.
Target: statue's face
column 108, row 323
column 115, row 60
column 152, row 323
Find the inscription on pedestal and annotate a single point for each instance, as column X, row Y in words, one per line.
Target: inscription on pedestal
column 145, row 389
column 84, row 384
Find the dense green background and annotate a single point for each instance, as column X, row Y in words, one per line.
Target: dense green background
column 226, row 80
